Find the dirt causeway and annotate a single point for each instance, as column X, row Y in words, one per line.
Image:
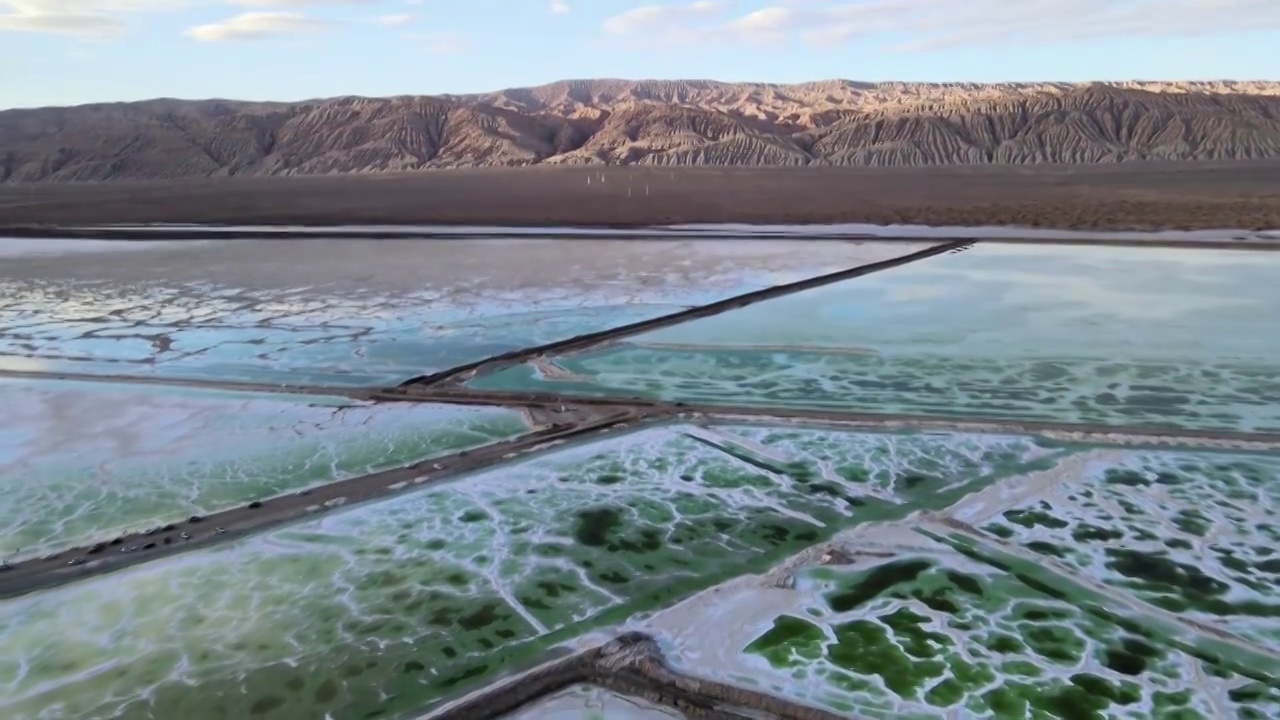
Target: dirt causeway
column 1157, row 195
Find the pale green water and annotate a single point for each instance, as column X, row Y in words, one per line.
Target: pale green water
column 82, row 462
column 1120, row 336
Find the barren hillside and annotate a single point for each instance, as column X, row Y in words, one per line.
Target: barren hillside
column 649, row 122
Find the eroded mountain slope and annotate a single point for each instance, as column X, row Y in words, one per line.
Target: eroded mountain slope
column 649, row 122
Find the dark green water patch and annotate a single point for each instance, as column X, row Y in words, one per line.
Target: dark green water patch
column 1088, row 532
column 790, row 642
column 1153, row 632
column 891, row 639
column 1034, row 517
column 875, row 582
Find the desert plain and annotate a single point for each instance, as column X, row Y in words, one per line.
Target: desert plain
column 1237, row 194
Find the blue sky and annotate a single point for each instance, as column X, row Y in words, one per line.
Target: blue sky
column 64, row 52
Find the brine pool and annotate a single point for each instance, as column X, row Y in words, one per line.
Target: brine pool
column 873, row 573
column 362, row 313
column 1120, row 583
column 925, row 626
column 81, row 462
column 1115, row 336
column 392, row 606
column 985, row 580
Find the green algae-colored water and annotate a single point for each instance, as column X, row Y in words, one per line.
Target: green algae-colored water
column 1192, row 533
column 1120, row 336
column 387, row 608
column 929, row 636
column 1109, row 582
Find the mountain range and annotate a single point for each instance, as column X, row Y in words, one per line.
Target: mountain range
column 673, row 123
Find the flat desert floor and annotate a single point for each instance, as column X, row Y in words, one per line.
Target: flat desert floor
column 1155, row 195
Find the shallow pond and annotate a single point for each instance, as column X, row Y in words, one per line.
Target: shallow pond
column 1181, row 338
column 363, row 312
column 82, row 462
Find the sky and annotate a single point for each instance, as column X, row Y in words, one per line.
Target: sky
column 68, row 52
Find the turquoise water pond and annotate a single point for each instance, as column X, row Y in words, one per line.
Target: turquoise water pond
column 1123, row 336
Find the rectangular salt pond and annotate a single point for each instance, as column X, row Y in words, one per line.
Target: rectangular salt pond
column 392, row 606
column 1117, row 336
column 360, row 312
column 83, row 462
column 914, row 629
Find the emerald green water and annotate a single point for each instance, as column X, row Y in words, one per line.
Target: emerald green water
column 1118, row 336
column 1106, row 582
column 1194, row 534
column 933, row 635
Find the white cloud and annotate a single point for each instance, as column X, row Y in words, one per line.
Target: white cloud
column 85, row 24
column 558, row 7
column 393, row 19
column 75, row 17
column 935, row 24
column 770, row 23
column 298, row 3
column 92, row 6
column 664, row 24
column 255, row 26
column 99, row 18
